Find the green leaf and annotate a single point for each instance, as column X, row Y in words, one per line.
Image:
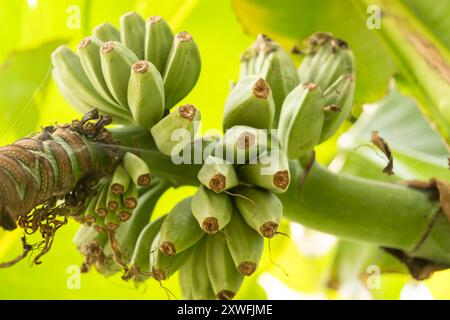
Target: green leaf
column 402, row 44
column 418, row 150
column 435, row 15
column 23, row 79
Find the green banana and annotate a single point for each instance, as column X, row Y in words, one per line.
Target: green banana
column 89, row 213
column 113, row 201
column 185, row 279
column 301, row 120
column 162, row 266
column 182, row 69
column 112, row 221
column 137, row 169
column 145, row 94
column 120, row 181
column 242, row 144
column 106, row 32
column 199, row 282
column 140, row 260
column 261, row 209
column 130, row 230
column 281, row 74
column 330, row 58
column 116, row 61
column 212, row 210
column 217, row 174
column 225, row 279
column 72, row 76
column 130, row 197
column 271, row 172
column 132, row 33
column 247, row 61
column 338, row 104
column 100, row 225
column 88, row 51
column 179, row 230
column 101, row 207
column 249, row 103
column 245, row 244
column 158, row 42
column 173, row 132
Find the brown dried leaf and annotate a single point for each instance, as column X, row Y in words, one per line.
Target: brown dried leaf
column 384, row 147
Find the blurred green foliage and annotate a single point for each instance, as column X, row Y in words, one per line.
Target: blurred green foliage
column 31, row 29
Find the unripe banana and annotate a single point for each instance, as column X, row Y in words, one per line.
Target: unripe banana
column 120, row 181
column 338, row 104
column 182, row 69
column 130, row 197
column 331, row 58
column 163, row 266
column 173, row 132
column 249, row 103
column 225, row 279
column 112, row 221
column 72, row 77
column 100, row 225
column 88, row 51
column 140, row 261
column 113, row 201
column 116, row 61
column 245, row 244
column 301, row 120
column 281, row 74
column 124, row 213
column 132, row 33
column 89, row 212
column 247, row 62
column 271, row 172
column 179, row 230
column 137, row 169
column 212, row 210
column 185, row 279
column 101, row 207
column 106, row 32
column 146, row 94
column 158, row 42
column 198, row 275
column 217, row 174
column 130, row 230
column 261, row 209
column 242, row 144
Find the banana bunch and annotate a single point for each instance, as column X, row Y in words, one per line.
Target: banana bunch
column 269, row 61
column 313, row 111
column 136, row 74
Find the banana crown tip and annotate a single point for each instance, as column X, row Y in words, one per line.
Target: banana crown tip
column 141, row 66
column 310, row 86
column 281, row 179
column 269, row 229
column 167, row 248
column 187, row 111
column 261, row 89
column 246, row 140
column 218, row 182
column 184, row 36
column 107, row 47
column 84, row 42
column 210, row 225
column 247, row 268
column 226, row 295
column 154, row 19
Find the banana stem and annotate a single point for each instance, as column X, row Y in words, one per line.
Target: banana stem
column 387, row 214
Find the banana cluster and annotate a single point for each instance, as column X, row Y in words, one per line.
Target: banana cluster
column 136, row 74
column 314, row 110
column 115, row 197
column 216, row 237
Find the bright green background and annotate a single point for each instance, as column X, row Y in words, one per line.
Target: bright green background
column 29, row 98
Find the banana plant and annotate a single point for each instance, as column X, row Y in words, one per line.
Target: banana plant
column 108, row 169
